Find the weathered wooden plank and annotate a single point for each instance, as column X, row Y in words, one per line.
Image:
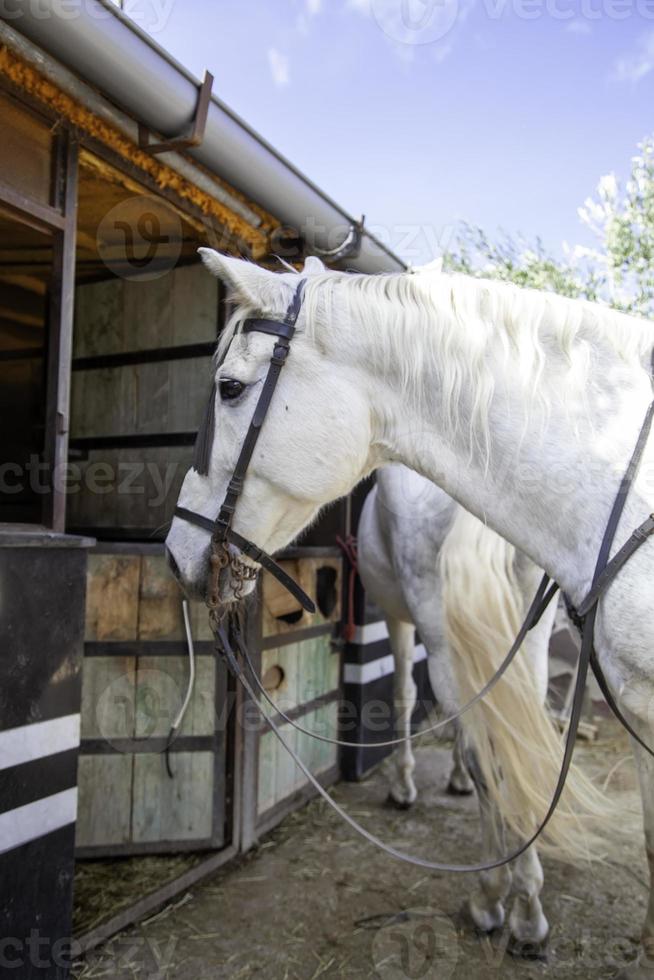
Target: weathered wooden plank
column 161, row 687
column 286, row 772
column 267, row 771
column 160, row 602
column 305, row 748
column 108, row 697
column 99, row 320
column 140, row 399
column 277, row 602
column 180, row 307
column 200, row 626
column 194, row 305
column 104, row 800
column 148, row 313
column 152, row 383
column 139, row 487
column 326, row 755
column 317, row 667
column 112, row 597
column 167, row 809
column 281, row 663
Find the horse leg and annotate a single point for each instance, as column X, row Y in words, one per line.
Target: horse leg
column 643, row 969
column 486, row 904
column 527, row 923
column 402, row 790
column 460, row 783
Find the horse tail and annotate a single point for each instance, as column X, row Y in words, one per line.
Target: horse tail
column 517, row 745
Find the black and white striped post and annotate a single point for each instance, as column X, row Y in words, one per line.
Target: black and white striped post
column 368, row 675
column 42, row 592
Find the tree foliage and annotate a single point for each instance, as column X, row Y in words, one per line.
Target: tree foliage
column 618, row 269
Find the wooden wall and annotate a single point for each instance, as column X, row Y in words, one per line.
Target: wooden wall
column 134, row 681
column 300, row 666
column 141, row 377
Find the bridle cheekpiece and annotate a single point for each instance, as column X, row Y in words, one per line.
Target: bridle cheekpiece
column 221, row 530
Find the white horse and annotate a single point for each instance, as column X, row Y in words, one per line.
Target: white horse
column 403, row 526
column 523, row 406
column 429, row 564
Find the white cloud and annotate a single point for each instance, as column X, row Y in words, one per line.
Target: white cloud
column 313, row 7
column 279, row 67
column 580, row 27
column 637, row 64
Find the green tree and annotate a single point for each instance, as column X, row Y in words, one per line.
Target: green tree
column 618, row 269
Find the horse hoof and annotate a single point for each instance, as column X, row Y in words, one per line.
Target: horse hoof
column 524, row 949
column 466, row 921
column 454, row 790
column 398, row 804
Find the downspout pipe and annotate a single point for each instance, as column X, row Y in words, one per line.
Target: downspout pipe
column 99, row 43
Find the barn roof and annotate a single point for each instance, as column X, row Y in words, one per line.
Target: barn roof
column 106, row 49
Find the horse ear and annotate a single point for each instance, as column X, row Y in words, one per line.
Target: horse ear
column 313, row 266
column 249, row 282
column 434, row 268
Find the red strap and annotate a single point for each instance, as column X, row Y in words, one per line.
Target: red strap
column 349, row 548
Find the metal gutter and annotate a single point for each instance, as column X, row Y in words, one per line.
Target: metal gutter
column 90, row 98
column 100, row 44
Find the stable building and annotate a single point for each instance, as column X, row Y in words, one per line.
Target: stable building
column 115, row 165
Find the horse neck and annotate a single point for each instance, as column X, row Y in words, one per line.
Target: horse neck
column 546, row 486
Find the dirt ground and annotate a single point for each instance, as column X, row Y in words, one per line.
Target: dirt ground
column 314, row 901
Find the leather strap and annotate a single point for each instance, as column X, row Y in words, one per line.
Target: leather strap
column 223, row 643
column 272, row 327
column 221, row 529
column 538, row 606
column 284, row 332
column 638, row 538
column 605, row 572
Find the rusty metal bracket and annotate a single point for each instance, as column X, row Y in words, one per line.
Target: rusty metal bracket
column 348, row 249
column 195, row 134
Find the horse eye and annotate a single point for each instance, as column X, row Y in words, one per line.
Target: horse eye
column 230, row 389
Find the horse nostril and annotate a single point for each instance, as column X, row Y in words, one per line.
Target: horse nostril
column 172, row 564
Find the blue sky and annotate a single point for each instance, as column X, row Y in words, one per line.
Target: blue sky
column 421, row 113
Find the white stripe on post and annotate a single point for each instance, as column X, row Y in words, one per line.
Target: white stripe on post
column 36, row 741
column 371, row 633
column 26, row 823
column 382, row 667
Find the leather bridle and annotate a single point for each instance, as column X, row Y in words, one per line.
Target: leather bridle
column 221, row 530
column 228, row 635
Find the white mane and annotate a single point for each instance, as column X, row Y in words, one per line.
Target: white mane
column 457, row 322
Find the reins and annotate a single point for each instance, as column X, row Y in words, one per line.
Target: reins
column 228, row 635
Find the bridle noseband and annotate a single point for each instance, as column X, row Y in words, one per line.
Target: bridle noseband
column 221, row 530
